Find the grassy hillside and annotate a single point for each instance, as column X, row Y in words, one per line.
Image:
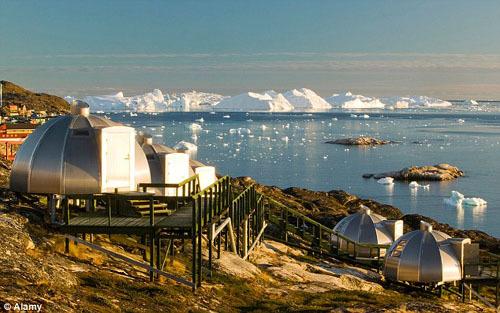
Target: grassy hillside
column 14, row 94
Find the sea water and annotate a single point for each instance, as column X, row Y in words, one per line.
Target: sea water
column 289, row 149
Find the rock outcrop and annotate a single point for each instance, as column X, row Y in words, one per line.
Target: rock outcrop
column 439, row 172
column 17, row 95
column 359, row 141
column 330, row 207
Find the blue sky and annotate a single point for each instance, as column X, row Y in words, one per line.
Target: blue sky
column 441, row 48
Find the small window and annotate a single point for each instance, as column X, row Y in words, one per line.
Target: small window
column 399, row 249
column 81, row 132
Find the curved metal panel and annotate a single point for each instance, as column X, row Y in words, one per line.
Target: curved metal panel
column 142, row 170
column 424, row 257
column 21, row 168
column 431, row 264
column 47, row 161
column 81, row 159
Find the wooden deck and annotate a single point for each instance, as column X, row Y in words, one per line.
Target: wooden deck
column 180, row 220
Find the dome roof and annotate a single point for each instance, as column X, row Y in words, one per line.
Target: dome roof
column 365, row 227
column 425, row 255
column 63, row 156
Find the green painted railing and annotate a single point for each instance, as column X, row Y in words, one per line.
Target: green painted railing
column 318, row 238
column 247, row 214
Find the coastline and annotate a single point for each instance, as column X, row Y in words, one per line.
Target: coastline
column 330, row 207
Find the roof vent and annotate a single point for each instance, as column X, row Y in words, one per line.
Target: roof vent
column 364, row 209
column 80, row 108
column 148, row 140
column 424, row 226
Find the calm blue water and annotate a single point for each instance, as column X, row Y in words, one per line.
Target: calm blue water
column 304, row 160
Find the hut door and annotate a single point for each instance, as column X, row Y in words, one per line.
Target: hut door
column 118, row 158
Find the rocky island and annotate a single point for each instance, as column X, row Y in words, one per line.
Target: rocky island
column 439, row 172
column 359, row 141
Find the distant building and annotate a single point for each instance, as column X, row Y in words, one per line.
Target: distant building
column 12, row 110
column 17, row 130
column 13, row 135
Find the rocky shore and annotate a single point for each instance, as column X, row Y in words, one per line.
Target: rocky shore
column 439, row 172
column 359, row 141
column 330, row 207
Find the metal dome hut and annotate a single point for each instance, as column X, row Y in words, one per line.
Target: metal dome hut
column 79, row 154
column 357, row 232
column 428, row 256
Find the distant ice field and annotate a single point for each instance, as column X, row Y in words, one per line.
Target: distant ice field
column 288, row 149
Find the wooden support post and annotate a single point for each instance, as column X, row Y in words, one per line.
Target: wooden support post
column 245, row 237
column 193, row 243
column 210, row 252
column 158, row 254
column 151, row 254
column 66, row 241
column 219, row 244
column 194, row 261
column 200, row 224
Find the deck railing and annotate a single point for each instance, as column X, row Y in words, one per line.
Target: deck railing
column 316, row 237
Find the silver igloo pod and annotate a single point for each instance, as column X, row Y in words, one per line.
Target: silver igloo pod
column 365, row 227
column 79, row 154
column 426, row 256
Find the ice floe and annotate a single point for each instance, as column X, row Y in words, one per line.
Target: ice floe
column 459, row 200
column 386, row 181
column 415, row 185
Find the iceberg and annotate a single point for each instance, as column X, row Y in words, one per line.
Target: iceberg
column 386, row 181
column 255, row 102
column 415, row 102
column 306, row 100
column 195, row 101
column 459, row 200
column 415, row 185
column 115, row 102
column 351, row 101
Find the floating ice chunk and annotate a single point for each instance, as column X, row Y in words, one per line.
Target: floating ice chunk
column 353, row 115
column 415, row 185
column 460, row 121
column 264, row 127
column 457, row 199
column 226, row 116
column 365, row 116
column 194, row 127
column 386, row 181
column 285, row 139
column 185, row 146
column 470, row 102
column 201, row 120
column 474, row 202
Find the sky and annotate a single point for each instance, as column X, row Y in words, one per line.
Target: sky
column 449, row 49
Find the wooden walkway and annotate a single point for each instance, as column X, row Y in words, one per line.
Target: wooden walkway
column 180, row 220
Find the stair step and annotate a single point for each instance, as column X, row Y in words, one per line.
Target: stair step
column 165, row 211
column 146, row 206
